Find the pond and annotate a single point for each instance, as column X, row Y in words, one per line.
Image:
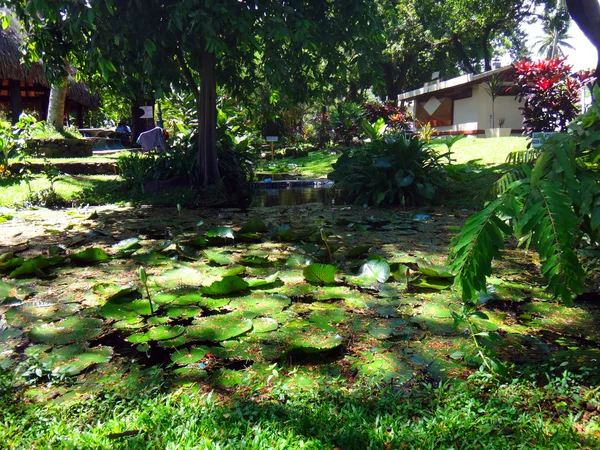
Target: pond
column 292, row 192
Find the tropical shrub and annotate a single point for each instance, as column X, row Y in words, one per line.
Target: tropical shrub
column 550, row 92
column 345, row 120
column 396, row 117
column 554, row 208
column 393, row 170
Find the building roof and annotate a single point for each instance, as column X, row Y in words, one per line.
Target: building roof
column 462, row 81
column 12, row 68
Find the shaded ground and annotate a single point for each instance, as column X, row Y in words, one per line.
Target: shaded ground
column 90, row 321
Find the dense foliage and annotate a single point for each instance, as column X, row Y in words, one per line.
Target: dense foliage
column 551, row 94
column 393, row 170
column 554, row 208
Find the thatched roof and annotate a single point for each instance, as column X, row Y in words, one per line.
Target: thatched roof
column 12, row 68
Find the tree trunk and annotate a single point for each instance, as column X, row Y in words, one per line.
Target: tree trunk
column 56, row 107
column 586, row 14
column 464, row 58
column 487, row 58
column 207, row 121
column 391, row 88
column 15, row 100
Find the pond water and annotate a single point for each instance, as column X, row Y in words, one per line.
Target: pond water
column 292, row 193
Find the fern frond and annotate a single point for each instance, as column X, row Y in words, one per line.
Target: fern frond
column 554, row 228
column 502, row 185
column 523, row 157
column 474, row 248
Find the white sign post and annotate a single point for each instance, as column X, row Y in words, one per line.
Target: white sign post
column 272, row 140
column 148, row 112
column 538, row 138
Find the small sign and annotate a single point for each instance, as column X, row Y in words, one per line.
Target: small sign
column 148, row 112
column 538, row 138
column 272, row 138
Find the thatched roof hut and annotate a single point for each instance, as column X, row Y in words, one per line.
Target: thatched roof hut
column 23, row 87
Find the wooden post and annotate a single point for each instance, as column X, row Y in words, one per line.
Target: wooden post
column 272, row 151
column 15, row 99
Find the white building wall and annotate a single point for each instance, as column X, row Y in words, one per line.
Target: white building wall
column 465, row 114
column 508, row 108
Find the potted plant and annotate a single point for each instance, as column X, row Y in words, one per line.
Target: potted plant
column 495, row 86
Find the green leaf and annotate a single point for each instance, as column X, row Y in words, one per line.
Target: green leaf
column 218, row 258
column 320, row 273
column 220, row 232
column 67, row 331
column 34, row 265
column 298, row 261
column 357, row 252
column 375, row 270
column 254, row 226
column 218, row 328
column 228, row 285
column 150, row 47
column 90, row 256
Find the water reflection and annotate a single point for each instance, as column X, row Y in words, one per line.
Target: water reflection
column 292, row 196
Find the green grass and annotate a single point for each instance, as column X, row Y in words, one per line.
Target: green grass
column 316, row 165
column 487, row 152
column 110, row 157
column 473, row 415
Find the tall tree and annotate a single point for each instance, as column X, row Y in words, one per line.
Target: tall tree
column 586, row 14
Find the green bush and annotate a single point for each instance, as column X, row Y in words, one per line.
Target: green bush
column 394, row 170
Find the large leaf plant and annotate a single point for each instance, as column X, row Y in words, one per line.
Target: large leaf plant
column 553, row 207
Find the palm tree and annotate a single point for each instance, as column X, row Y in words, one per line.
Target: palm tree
column 556, row 34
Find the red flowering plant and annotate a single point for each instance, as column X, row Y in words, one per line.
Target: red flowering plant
column 396, row 117
column 550, row 91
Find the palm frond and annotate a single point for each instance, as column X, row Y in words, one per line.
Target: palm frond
column 523, row 156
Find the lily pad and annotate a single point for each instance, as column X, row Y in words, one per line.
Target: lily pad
column 356, row 252
column 254, row 226
column 184, row 312
column 30, row 313
column 261, row 304
column 221, row 259
column 264, row 325
column 89, row 256
column 228, row 285
column 186, row 356
column 35, row 265
column 220, row 232
column 218, row 328
column 163, row 332
column 127, row 244
column 376, row 271
column 311, row 340
column 298, row 261
column 320, row 273
column 75, row 358
column 67, row 331
column 435, row 271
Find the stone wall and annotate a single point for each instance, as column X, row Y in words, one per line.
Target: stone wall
column 60, row 148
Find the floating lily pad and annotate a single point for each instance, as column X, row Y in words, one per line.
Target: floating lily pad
column 254, row 226
column 218, row 328
column 127, row 244
column 125, row 308
column 186, row 356
column 184, row 312
column 112, row 290
column 30, row 313
column 164, row 332
column 220, row 232
column 434, row 271
column 129, row 324
column 10, row 263
column 233, row 271
column 439, row 284
column 68, row 331
column 385, row 329
column 89, row 256
column 219, row 258
column 311, row 340
column 298, row 261
column 382, row 365
column 374, row 271
column 254, row 260
column 320, row 273
column 336, row 315
column 228, row 285
column 158, row 320
column 261, row 304
column 36, row 265
column 264, row 324
column 75, row 358
column 196, row 243
column 357, row 252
